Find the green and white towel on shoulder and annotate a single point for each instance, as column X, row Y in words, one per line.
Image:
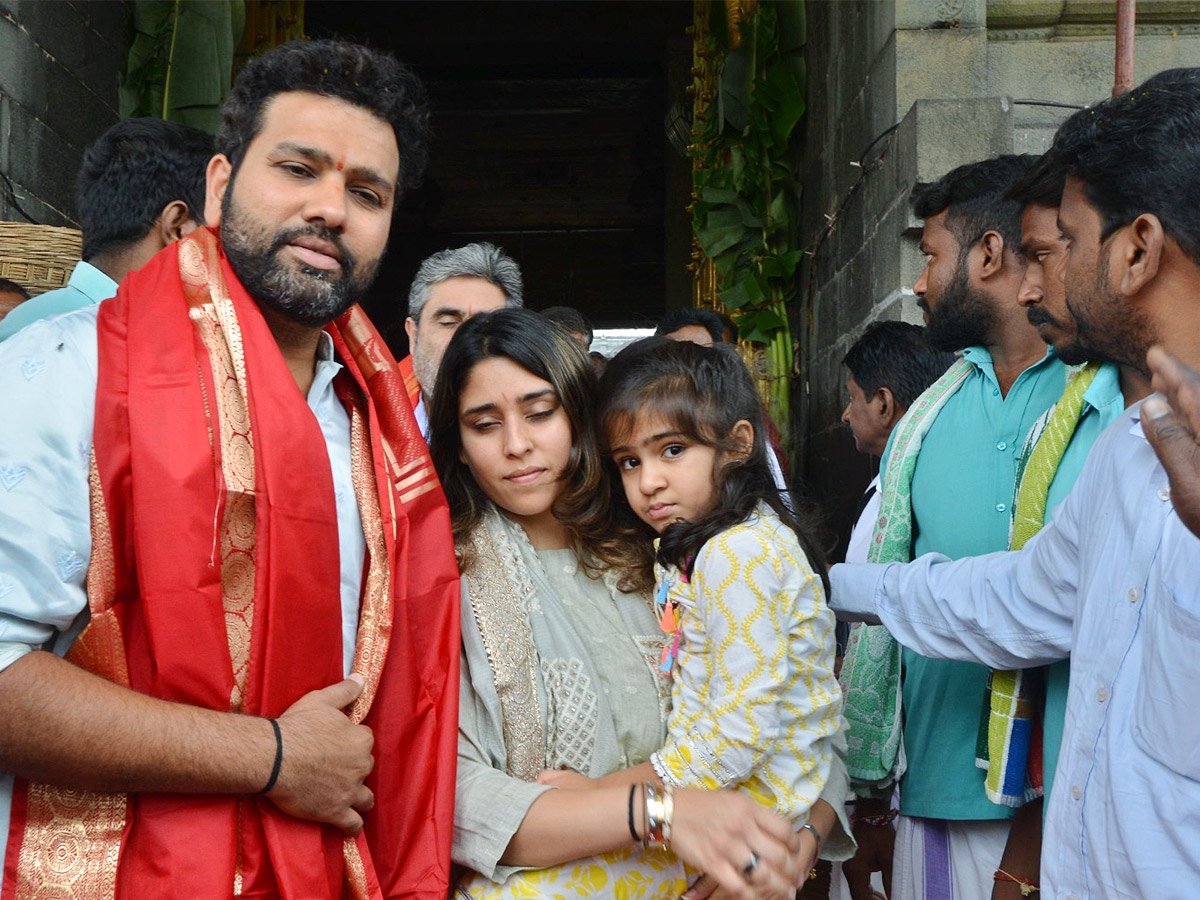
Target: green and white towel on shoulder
column 871, row 670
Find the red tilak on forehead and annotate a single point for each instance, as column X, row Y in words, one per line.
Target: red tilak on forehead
column 340, row 165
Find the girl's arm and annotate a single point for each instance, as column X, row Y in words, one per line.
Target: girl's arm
column 715, row 831
column 503, row 823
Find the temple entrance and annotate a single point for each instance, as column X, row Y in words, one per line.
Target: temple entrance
column 548, row 140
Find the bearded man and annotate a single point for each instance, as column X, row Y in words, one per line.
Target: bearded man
column 218, row 508
column 947, row 485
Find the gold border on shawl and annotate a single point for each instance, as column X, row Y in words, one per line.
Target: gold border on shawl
column 71, row 842
column 376, row 611
column 356, row 871
column 212, row 312
column 503, row 623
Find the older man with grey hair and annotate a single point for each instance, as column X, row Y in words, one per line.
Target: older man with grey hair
column 449, row 288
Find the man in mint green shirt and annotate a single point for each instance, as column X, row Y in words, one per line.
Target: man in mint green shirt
column 140, row 188
column 950, row 836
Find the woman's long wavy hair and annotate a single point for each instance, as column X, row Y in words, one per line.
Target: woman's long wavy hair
column 701, row 392
column 603, row 535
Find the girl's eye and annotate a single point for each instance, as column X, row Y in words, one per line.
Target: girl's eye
column 484, row 425
column 671, row 451
column 628, row 463
column 540, row 415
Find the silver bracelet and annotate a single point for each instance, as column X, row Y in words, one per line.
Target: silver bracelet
column 809, row 826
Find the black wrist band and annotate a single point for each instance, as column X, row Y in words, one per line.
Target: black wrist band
column 633, row 831
column 278, row 758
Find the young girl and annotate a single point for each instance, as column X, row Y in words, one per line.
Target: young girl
column 561, row 645
column 755, row 702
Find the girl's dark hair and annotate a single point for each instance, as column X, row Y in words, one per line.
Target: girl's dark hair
column 702, row 392
column 603, row 535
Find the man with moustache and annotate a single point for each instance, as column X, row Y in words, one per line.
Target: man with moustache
column 1112, row 579
column 947, row 485
column 218, row 508
column 1097, row 394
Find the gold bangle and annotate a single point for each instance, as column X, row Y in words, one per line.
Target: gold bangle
column 660, row 810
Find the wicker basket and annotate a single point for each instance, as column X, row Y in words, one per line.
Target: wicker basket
column 38, row 257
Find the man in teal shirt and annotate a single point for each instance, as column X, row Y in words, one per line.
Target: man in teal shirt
column 950, row 836
column 140, row 187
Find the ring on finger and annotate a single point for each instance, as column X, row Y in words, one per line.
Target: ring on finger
column 751, row 864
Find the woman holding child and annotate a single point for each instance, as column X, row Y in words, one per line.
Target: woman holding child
column 564, row 664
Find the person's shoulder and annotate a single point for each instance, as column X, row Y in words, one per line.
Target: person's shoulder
column 760, row 533
column 74, row 330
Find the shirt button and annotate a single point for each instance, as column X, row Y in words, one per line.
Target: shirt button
column 1133, row 595
column 1002, row 446
column 1076, row 792
column 1102, row 695
column 1000, row 507
column 1163, row 494
column 995, row 392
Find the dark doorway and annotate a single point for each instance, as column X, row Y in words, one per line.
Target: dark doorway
column 548, row 141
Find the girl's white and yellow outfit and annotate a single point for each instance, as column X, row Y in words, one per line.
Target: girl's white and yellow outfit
column 559, row 671
column 755, row 704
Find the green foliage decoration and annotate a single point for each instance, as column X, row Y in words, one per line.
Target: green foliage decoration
column 745, row 179
column 180, row 60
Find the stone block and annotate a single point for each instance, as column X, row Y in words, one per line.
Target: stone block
column 40, row 159
column 950, row 133
column 943, row 63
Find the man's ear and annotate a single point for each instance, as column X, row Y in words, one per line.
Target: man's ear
column 883, row 405
column 742, row 438
column 992, row 245
column 410, row 328
column 888, row 408
column 174, row 222
column 1139, row 252
column 216, row 177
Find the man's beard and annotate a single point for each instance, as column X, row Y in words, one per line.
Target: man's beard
column 1111, row 329
column 309, row 296
column 1071, row 352
column 963, row 315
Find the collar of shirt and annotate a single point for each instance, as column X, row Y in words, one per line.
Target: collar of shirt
column 327, row 368
column 1105, row 389
column 89, row 280
column 981, row 358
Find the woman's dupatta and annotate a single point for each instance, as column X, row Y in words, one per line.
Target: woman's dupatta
column 214, row 582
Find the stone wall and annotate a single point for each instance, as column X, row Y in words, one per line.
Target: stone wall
column 900, row 92
column 59, row 63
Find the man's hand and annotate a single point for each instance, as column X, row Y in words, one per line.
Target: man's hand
column 326, row 757
column 876, row 844
column 1173, row 430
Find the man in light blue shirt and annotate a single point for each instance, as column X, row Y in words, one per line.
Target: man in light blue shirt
column 140, row 188
column 1112, row 580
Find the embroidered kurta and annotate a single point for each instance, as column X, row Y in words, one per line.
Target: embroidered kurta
column 559, row 671
column 755, row 703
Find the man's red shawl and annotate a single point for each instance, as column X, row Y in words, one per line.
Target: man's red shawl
column 214, row 581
